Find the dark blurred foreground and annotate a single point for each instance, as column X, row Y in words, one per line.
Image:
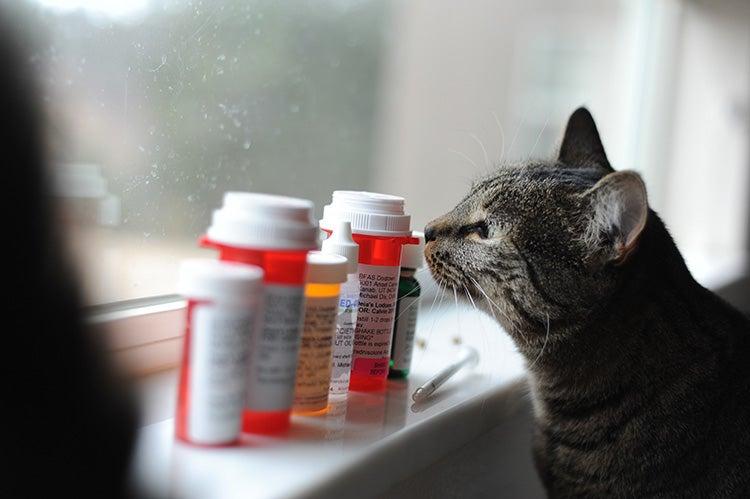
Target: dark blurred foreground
column 69, row 427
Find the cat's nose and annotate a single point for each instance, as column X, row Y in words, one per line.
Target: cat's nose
column 430, row 234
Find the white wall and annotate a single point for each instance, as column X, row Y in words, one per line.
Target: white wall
column 707, row 181
column 470, row 83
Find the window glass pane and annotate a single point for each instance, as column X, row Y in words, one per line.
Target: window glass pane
column 159, row 107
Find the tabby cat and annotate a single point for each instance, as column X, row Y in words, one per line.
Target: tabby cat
column 640, row 377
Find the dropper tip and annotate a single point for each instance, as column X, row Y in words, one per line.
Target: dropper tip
column 343, row 230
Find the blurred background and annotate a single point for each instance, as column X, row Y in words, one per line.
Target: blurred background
column 156, row 107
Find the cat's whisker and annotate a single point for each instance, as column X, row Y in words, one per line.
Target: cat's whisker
column 536, row 142
column 414, row 302
column 439, row 291
column 422, row 270
column 468, row 295
column 515, row 135
column 430, row 288
column 546, row 337
column 484, row 150
column 492, row 309
column 438, row 297
column 485, row 337
column 458, row 318
column 502, row 136
column 486, row 340
column 494, row 306
column 467, row 158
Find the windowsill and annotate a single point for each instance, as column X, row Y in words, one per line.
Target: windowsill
column 369, row 442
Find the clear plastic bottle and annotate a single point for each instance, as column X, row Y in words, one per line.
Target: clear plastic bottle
column 341, row 243
column 344, row 342
column 325, row 274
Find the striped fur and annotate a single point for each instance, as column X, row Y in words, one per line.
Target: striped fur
column 640, row 376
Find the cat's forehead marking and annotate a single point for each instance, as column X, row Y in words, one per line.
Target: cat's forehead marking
column 532, row 183
column 470, row 210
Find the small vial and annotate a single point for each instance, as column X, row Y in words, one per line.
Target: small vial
column 325, row 273
column 222, row 313
column 407, row 306
column 341, row 243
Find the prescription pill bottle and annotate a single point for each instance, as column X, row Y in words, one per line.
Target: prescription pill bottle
column 223, row 304
column 274, row 233
column 380, row 228
column 325, row 273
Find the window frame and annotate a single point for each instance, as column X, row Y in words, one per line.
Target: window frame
column 143, row 336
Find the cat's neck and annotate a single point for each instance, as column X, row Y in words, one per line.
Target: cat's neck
column 657, row 312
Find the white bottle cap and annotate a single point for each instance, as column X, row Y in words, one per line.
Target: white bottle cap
column 341, row 243
column 264, row 221
column 370, row 213
column 325, row 268
column 412, row 255
column 220, row 281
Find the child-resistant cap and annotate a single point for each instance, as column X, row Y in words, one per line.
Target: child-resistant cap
column 325, row 268
column 370, row 213
column 341, row 243
column 412, row 255
column 219, row 280
column 267, row 221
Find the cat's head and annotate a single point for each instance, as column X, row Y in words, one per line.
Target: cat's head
column 543, row 240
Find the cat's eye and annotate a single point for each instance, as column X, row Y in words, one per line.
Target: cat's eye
column 479, row 228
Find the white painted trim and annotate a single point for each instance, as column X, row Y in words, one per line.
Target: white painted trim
column 145, row 338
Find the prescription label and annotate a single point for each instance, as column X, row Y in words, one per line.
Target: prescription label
column 273, row 363
column 219, row 347
column 377, row 306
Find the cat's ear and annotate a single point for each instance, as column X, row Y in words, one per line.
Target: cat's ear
column 618, row 210
column 581, row 144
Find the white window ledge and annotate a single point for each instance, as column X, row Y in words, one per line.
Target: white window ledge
column 367, row 443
